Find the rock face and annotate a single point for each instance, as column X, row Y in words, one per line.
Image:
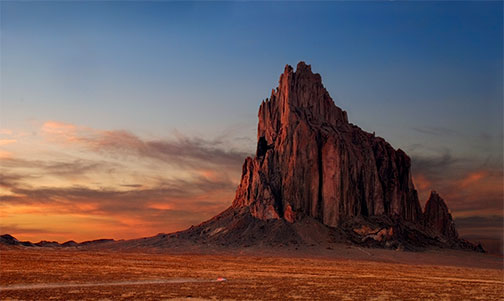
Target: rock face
column 438, row 218
column 311, row 161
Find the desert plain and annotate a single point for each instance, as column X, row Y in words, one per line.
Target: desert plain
column 350, row 273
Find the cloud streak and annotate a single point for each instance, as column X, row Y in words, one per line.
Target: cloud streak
column 120, row 182
column 473, row 190
column 436, row 131
column 57, row 168
column 171, row 206
column 489, row 230
column 466, row 183
column 182, row 150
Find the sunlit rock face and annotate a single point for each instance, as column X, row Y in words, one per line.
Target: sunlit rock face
column 311, row 161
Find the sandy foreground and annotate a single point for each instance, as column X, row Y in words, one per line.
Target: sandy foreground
column 55, row 274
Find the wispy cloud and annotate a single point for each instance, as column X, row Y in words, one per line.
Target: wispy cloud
column 489, row 230
column 111, row 201
column 473, row 190
column 465, row 185
column 436, row 166
column 57, row 168
column 180, row 150
column 7, row 141
column 134, row 186
column 436, row 131
column 457, row 175
column 494, row 222
column 173, row 205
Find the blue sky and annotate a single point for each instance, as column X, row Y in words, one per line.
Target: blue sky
column 156, row 66
column 427, row 76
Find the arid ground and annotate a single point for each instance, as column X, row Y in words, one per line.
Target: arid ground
column 43, row 274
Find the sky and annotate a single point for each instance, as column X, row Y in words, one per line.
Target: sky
column 127, row 119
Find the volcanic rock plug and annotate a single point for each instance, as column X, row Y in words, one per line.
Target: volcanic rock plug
column 317, row 179
column 311, row 161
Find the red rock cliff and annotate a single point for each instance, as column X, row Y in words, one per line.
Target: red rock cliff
column 311, row 161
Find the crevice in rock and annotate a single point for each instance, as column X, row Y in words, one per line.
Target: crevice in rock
column 319, row 207
column 362, row 198
column 262, row 147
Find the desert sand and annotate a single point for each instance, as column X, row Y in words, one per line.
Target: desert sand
column 371, row 274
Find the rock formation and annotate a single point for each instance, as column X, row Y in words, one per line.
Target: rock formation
column 317, row 179
column 438, row 218
column 311, row 161
column 7, row 239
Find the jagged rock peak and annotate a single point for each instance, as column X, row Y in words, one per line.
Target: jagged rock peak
column 311, row 162
column 437, row 217
column 435, row 200
column 300, row 94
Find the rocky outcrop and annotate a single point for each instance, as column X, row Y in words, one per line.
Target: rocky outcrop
column 9, row 240
column 70, row 243
column 311, row 161
column 45, row 243
column 312, row 164
column 438, row 219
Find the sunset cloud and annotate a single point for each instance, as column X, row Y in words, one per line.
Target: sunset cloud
column 472, row 178
column 181, row 150
column 6, row 132
column 171, row 206
column 58, row 168
column 119, row 180
column 465, row 183
column 7, row 141
column 473, row 190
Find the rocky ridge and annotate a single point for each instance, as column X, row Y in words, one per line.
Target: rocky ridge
column 9, row 240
